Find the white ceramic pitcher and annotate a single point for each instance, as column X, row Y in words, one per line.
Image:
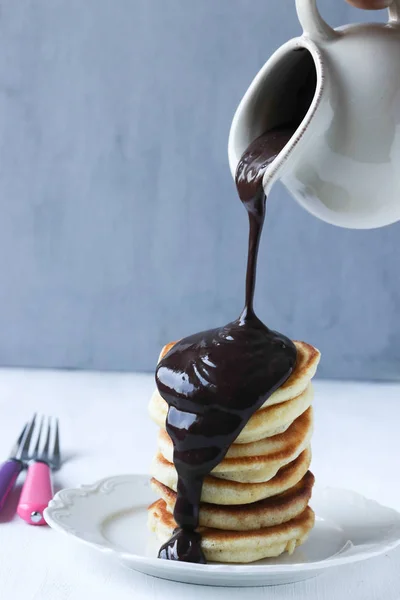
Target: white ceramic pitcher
column 343, row 162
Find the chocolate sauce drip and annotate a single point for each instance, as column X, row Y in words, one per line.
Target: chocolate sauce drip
column 214, row 381
column 249, row 175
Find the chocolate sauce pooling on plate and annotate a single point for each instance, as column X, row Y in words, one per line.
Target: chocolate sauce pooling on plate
column 214, row 381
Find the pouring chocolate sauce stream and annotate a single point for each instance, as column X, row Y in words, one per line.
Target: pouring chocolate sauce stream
column 214, row 381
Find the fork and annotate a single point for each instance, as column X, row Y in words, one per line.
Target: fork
column 44, row 457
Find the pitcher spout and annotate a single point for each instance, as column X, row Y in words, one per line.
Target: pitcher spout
column 288, row 91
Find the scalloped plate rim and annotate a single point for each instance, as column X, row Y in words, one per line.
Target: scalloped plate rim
column 62, row 500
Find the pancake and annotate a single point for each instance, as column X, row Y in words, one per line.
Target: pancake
column 257, row 468
column 307, row 361
column 266, row 422
column 275, row 419
column 238, row 546
column 222, row 491
column 281, row 443
column 264, row 513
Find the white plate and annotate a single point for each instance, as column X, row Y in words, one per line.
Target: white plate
column 111, row 516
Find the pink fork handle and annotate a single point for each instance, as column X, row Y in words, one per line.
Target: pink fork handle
column 36, row 494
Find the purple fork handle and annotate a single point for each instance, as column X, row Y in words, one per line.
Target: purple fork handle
column 9, row 472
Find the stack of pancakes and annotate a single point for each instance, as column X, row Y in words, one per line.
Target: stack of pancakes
column 255, row 502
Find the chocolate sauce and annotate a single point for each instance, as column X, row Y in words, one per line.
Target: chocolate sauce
column 215, row 380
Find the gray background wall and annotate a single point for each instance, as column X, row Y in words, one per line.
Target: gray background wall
column 120, row 229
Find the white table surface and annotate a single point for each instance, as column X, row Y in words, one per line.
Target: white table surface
column 105, row 430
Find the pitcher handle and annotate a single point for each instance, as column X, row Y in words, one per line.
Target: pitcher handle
column 314, row 26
